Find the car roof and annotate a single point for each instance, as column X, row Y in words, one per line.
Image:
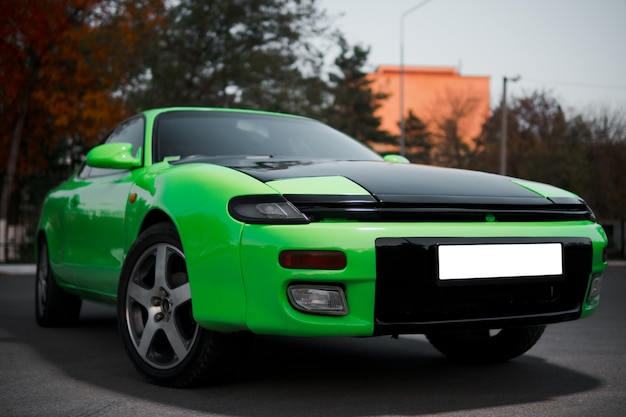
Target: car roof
column 156, row 111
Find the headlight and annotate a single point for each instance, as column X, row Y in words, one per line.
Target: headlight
column 265, row 209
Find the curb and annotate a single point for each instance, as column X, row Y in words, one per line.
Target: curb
column 17, row 269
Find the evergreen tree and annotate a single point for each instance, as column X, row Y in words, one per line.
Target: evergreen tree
column 452, row 150
column 254, row 54
column 419, row 143
column 354, row 102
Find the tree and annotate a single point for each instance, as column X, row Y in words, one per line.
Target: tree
column 534, row 122
column 255, row 54
column 354, row 103
column 451, row 150
column 60, row 63
column 452, row 124
column 605, row 191
column 419, row 141
column 542, row 144
column 584, row 153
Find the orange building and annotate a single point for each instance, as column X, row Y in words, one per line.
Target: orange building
column 434, row 94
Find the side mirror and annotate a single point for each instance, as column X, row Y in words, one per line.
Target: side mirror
column 399, row 159
column 113, row 155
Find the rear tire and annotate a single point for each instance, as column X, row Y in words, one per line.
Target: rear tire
column 53, row 306
column 155, row 317
column 485, row 346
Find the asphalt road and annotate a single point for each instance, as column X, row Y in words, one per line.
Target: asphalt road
column 576, row 369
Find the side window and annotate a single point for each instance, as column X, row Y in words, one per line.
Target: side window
column 131, row 131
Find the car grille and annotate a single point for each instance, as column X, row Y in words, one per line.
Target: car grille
column 411, row 299
column 367, row 208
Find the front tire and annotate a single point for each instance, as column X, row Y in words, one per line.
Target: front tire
column 486, row 346
column 53, row 306
column 155, row 316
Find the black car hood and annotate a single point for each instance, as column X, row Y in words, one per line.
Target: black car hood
column 397, row 183
column 405, row 183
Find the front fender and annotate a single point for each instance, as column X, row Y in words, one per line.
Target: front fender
column 195, row 197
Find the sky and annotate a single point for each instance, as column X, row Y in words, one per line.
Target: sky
column 573, row 49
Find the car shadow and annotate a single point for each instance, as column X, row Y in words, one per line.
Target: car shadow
column 283, row 376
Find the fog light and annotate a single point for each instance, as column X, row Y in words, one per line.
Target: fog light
column 328, row 300
column 596, row 286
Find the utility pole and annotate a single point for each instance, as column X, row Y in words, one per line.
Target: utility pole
column 402, row 121
column 503, row 135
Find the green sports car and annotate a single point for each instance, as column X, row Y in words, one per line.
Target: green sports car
column 204, row 225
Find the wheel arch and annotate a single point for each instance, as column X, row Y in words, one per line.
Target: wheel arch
column 213, row 265
column 40, row 236
column 153, row 217
column 44, row 234
column 194, row 198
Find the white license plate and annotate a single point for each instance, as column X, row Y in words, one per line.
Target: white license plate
column 499, row 260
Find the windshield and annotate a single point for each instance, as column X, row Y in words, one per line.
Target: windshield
column 217, row 133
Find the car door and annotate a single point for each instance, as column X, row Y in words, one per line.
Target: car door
column 94, row 220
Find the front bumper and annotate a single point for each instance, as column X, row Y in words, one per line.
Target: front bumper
column 410, row 300
column 391, row 286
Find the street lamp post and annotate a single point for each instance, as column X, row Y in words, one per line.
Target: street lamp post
column 402, row 121
column 503, row 135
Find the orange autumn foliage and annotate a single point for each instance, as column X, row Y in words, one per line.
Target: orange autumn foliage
column 63, row 64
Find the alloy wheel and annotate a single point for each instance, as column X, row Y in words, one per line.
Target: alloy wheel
column 158, row 307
